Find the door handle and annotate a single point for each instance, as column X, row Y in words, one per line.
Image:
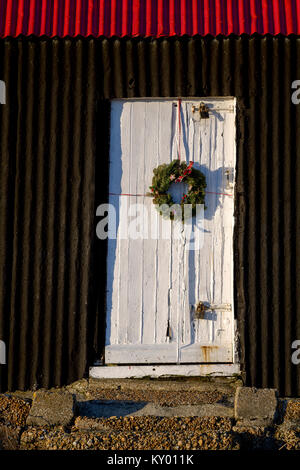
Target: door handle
column 228, row 173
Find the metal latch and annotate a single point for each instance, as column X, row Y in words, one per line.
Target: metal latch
column 228, row 173
column 203, row 307
column 203, row 110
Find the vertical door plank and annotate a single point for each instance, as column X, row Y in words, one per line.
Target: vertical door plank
column 123, row 159
column 151, row 244
column 134, row 306
column 164, row 246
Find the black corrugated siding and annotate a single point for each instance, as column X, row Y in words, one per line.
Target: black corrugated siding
column 53, row 141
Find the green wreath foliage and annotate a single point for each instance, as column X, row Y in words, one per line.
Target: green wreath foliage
column 176, row 171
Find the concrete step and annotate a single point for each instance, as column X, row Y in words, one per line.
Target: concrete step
column 121, row 408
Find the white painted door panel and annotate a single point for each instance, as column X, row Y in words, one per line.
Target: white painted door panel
column 153, row 285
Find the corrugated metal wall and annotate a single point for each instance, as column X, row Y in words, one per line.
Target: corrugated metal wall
column 47, row 140
column 53, row 139
column 158, row 18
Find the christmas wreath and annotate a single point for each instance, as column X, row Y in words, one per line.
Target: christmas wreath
column 176, row 172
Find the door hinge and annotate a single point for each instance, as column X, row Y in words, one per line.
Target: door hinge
column 203, row 307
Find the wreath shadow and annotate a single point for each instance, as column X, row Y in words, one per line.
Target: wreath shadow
column 214, row 189
column 213, row 193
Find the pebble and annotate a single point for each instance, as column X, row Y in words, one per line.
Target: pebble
column 13, row 411
column 153, row 433
column 144, row 432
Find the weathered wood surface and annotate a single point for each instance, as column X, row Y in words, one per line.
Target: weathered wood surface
column 154, row 285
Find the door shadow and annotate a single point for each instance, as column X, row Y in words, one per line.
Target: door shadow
column 108, row 408
column 114, row 198
column 215, row 191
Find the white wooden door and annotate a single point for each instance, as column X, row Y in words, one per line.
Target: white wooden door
column 155, row 285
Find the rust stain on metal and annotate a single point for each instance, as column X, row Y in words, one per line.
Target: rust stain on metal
column 200, row 310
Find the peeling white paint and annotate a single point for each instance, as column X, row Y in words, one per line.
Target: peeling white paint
column 154, row 285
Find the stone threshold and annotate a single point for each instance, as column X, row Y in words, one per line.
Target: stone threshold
column 157, row 371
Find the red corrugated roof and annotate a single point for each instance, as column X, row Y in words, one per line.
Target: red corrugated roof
column 148, row 17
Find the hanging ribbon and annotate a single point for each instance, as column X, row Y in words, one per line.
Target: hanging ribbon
column 179, row 127
column 187, row 171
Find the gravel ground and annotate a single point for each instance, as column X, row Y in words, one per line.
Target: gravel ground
column 149, row 433
column 13, row 411
column 13, row 414
column 292, row 411
column 145, row 432
column 155, row 424
column 137, row 433
column 290, row 439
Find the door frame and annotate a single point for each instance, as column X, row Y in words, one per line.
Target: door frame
column 102, row 370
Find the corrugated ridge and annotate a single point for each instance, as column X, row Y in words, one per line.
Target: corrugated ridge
column 47, row 209
column 52, row 279
column 146, row 18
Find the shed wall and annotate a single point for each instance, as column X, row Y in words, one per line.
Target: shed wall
column 54, row 153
